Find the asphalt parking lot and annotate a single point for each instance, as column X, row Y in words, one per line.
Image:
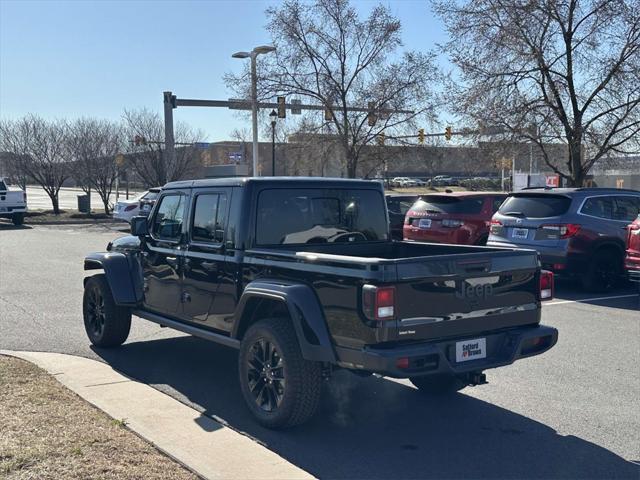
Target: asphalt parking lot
column 573, row 412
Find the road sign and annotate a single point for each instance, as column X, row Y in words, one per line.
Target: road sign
column 203, row 145
column 235, row 157
column 120, row 160
column 553, row 181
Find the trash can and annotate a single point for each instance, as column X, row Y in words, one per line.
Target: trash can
column 84, row 204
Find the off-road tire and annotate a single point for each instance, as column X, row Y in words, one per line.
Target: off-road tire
column 108, row 325
column 604, row 271
column 302, row 378
column 17, row 219
column 438, row 384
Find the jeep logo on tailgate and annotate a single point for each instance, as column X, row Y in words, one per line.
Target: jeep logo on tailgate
column 474, row 291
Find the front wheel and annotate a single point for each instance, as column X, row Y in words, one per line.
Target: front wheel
column 106, row 324
column 438, row 384
column 17, row 219
column 280, row 387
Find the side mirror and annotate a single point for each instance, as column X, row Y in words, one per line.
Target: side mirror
column 139, row 226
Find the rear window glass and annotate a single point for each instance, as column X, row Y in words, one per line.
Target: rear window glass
column 535, row 206
column 296, row 216
column 448, row 205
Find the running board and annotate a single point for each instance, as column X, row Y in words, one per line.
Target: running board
column 190, row 329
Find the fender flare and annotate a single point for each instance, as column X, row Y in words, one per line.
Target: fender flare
column 121, row 274
column 304, row 310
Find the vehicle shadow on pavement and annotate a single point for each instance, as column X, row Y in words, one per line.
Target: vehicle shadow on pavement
column 373, row 427
column 568, row 289
column 11, row 226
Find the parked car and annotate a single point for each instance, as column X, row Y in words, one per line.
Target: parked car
column 442, row 181
column 418, row 182
column 576, row 231
column 300, row 275
column 462, row 218
column 127, row 209
column 13, row 202
column 632, row 259
column 403, row 182
column 398, row 205
column 148, row 200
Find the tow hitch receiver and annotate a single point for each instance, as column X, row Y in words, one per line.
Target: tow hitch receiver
column 476, row 378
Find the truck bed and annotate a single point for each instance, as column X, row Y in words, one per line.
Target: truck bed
column 440, row 290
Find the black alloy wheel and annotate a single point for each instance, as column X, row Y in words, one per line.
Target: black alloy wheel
column 265, row 374
column 96, row 311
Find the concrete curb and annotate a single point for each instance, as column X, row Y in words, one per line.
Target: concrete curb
column 201, row 444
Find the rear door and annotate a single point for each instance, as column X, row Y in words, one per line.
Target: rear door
column 207, row 282
column 521, row 217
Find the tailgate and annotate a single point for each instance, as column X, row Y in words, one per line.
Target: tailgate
column 466, row 294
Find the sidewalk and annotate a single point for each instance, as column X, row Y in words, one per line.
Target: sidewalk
column 205, row 446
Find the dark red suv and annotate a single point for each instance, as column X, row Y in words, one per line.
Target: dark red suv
column 632, row 260
column 458, row 217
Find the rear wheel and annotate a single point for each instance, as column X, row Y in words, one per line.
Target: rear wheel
column 106, row 324
column 438, row 384
column 17, row 219
column 280, row 387
column 604, row 271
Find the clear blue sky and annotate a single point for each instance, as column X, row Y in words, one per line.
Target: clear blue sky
column 95, row 58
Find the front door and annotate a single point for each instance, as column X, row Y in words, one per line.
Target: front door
column 163, row 253
column 205, row 274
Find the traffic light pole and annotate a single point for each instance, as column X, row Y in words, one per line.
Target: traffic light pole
column 169, row 140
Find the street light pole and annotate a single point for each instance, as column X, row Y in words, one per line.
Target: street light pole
column 254, row 96
column 274, row 116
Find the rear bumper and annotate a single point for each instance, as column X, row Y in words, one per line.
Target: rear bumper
column 503, row 348
column 633, row 275
column 555, row 259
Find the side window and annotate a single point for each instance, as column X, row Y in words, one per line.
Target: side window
column 209, row 218
column 627, row 208
column 601, row 207
column 167, row 223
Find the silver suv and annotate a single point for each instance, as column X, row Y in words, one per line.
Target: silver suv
column 577, row 231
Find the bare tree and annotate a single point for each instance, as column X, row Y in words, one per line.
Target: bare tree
column 571, row 68
column 39, row 149
column 330, row 56
column 92, row 145
column 148, row 159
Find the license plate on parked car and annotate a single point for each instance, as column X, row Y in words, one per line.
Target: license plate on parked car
column 471, row 350
column 424, row 223
column 520, row 233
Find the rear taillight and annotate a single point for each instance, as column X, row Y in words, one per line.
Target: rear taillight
column 447, row 222
column 128, row 208
column 378, row 303
column 560, row 231
column 495, row 226
column 546, row 285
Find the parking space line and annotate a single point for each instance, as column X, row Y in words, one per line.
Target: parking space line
column 584, row 300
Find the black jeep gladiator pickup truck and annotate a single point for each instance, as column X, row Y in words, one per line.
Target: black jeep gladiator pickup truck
column 301, row 275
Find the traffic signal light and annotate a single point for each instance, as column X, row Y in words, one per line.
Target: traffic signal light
column 372, row 118
column 421, row 136
column 282, row 109
column 380, row 139
column 447, row 133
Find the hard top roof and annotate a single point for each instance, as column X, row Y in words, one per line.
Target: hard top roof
column 242, row 181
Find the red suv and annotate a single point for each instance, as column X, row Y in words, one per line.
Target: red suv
column 632, row 260
column 457, row 217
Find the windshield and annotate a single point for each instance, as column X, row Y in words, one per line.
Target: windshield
column 535, row 206
column 435, row 204
column 314, row 215
column 150, row 195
